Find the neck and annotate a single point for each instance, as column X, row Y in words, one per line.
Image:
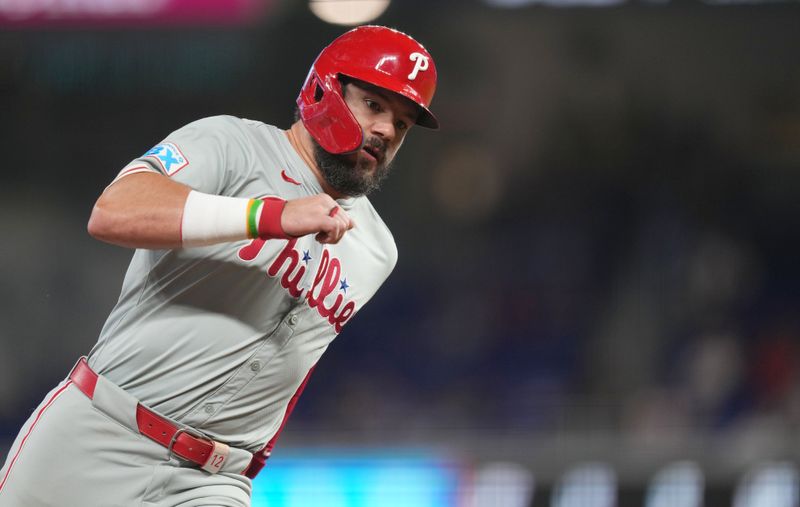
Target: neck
column 302, row 143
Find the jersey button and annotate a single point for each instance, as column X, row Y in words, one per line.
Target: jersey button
column 293, row 320
column 209, row 409
column 255, row 365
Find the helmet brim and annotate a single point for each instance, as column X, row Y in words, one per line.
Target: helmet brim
column 427, row 119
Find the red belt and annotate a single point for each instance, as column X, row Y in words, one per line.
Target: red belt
column 179, row 441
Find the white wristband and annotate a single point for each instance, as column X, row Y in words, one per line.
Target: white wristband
column 210, row 219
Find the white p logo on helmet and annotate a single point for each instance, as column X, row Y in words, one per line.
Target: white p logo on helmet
column 420, row 63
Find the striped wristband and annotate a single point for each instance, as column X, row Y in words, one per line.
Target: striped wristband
column 253, row 209
column 269, row 222
column 210, row 219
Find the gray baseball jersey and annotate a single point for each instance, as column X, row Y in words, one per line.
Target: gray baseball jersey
column 220, row 338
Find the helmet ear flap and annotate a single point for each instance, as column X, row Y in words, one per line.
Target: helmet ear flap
column 327, row 117
column 318, row 91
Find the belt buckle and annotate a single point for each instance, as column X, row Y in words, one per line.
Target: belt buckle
column 217, row 457
column 189, row 431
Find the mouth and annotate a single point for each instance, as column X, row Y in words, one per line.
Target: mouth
column 373, row 153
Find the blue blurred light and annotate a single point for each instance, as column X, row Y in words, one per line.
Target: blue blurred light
column 370, row 479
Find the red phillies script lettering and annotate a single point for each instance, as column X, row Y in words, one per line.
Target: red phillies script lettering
column 249, row 252
column 325, row 281
column 290, row 255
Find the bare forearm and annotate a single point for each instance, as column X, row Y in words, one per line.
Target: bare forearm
column 140, row 211
column 147, row 210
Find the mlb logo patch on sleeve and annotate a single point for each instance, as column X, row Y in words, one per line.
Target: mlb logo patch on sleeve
column 169, row 157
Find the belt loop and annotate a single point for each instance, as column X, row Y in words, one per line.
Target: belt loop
column 216, row 458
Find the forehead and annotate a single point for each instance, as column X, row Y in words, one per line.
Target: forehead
column 402, row 105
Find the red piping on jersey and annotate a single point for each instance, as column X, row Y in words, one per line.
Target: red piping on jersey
column 38, row 416
column 260, row 457
column 288, row 178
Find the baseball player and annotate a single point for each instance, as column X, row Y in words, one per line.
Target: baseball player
column 254, row 247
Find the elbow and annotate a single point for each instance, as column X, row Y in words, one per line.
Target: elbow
column 100, row 224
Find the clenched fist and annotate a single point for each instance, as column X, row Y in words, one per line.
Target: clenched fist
column 318, row 214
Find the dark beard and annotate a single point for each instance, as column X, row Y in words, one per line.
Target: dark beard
column 348, row 177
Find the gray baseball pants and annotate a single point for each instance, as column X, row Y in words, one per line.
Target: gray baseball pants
column 81, row 452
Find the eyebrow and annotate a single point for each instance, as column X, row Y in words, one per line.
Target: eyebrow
column 410, row 113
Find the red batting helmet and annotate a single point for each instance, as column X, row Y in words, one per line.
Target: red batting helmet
column 377, row 55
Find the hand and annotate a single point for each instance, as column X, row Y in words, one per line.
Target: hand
column 318, row 214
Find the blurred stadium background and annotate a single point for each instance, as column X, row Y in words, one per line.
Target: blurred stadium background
column 596, row 302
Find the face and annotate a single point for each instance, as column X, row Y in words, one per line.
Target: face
column 385, row 118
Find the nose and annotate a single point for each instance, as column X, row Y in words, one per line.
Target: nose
column 384, row 128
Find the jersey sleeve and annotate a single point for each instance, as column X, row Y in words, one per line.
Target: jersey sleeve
column 201, row 155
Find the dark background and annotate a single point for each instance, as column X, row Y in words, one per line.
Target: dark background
column 598, row 251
